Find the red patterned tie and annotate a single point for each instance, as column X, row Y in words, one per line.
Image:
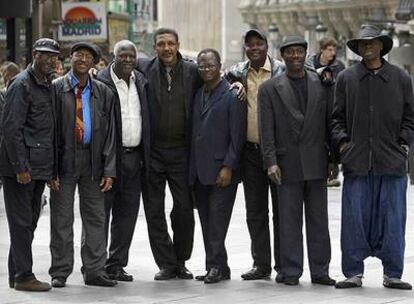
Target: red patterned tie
column 79, row 115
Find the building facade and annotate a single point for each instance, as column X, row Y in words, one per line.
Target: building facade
column 337, row 18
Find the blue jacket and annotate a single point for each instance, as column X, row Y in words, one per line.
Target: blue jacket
column 218, row 134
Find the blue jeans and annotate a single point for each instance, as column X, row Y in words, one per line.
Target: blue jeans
column 373, row 222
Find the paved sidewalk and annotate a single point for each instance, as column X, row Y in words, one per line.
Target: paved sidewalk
column 145, row 290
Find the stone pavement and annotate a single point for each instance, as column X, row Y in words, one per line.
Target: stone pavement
column 145, row 290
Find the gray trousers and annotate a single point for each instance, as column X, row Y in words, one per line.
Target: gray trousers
column 293, row 197
column 92, row 210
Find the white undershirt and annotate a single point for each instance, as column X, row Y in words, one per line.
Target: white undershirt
column 130, row 110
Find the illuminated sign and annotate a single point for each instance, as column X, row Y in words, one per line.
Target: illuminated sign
column 83, row 21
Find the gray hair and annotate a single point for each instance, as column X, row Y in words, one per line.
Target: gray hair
column 122, row 44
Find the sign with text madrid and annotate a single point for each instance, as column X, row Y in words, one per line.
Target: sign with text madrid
column 83, row 21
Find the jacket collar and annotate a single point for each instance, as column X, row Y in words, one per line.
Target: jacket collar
column 383, row 72
column 222, row 87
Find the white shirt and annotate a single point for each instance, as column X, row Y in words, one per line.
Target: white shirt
column 130, row 110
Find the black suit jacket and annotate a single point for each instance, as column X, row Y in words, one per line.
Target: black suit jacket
column 297, row 143
column 141, row 84
column 218, row 135
column 192, row 81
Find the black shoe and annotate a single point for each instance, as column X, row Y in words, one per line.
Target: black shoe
column 225, row 275
column 352, row 282
column 11, row 282
column 119, row 275
column 279, row 278
column 291, row 281
column 213, row 276
column 396, row 283
column 256, row 273
column 324, row 281
column 58, row 282
column 165, row 274
column 184, row 273
column 101, row 280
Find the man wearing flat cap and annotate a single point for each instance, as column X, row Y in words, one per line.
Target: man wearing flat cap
column 252, row 73
column 373, row 124
column 26, row 158
column 86, row 158
column 293, row 123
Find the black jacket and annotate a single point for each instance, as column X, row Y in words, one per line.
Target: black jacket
column 192, row 81
column 28, row 128
column 238, row 72
column 297, row 143
column 141, row 84
column 375, row 115
column 103, row 140
column 219, row 133
column 335, row 66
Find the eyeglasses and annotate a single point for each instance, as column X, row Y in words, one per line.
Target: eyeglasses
column 84, row 56
column 207, row 67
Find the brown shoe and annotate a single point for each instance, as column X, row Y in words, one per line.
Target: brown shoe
column 32, row 285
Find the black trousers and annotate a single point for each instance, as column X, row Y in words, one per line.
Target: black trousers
column 169, row 165
column 22, row 204
column 256, row 186
column 92, row 211
column 122, row 202
column 292, row 197
column 215, row 206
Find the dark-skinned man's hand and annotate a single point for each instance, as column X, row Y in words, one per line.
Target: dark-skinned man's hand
column 241, row 91
column 224, row 177
column 275, row 174
column 24, row 178
column 106, row 183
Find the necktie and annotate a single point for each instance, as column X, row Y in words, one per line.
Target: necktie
column 79, row 130
column 169, row 78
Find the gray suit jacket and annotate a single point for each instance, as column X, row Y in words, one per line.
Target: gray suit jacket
column 295, row 142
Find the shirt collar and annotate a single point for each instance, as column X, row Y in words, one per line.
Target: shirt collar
column 267, row 65
column 74, row 81
column 116, row 79
column 382, row 72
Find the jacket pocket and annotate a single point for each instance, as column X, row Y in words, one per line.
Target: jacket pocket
column 40, row 156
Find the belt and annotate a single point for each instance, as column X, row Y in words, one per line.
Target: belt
column 129, row 149
column 253, row 146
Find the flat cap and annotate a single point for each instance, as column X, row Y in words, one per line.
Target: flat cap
column 293, row 40
column 46, row 45
column 94, row 49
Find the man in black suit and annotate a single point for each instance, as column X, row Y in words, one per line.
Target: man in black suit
column 218, row 136
column 293, row 130
column 132, row 129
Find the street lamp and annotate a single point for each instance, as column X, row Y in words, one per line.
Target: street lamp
column 273, row 31
column 320, row 31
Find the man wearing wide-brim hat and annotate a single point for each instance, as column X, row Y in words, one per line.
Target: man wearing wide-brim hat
column 373, row 123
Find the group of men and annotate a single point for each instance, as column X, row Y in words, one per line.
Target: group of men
column 139, row 124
